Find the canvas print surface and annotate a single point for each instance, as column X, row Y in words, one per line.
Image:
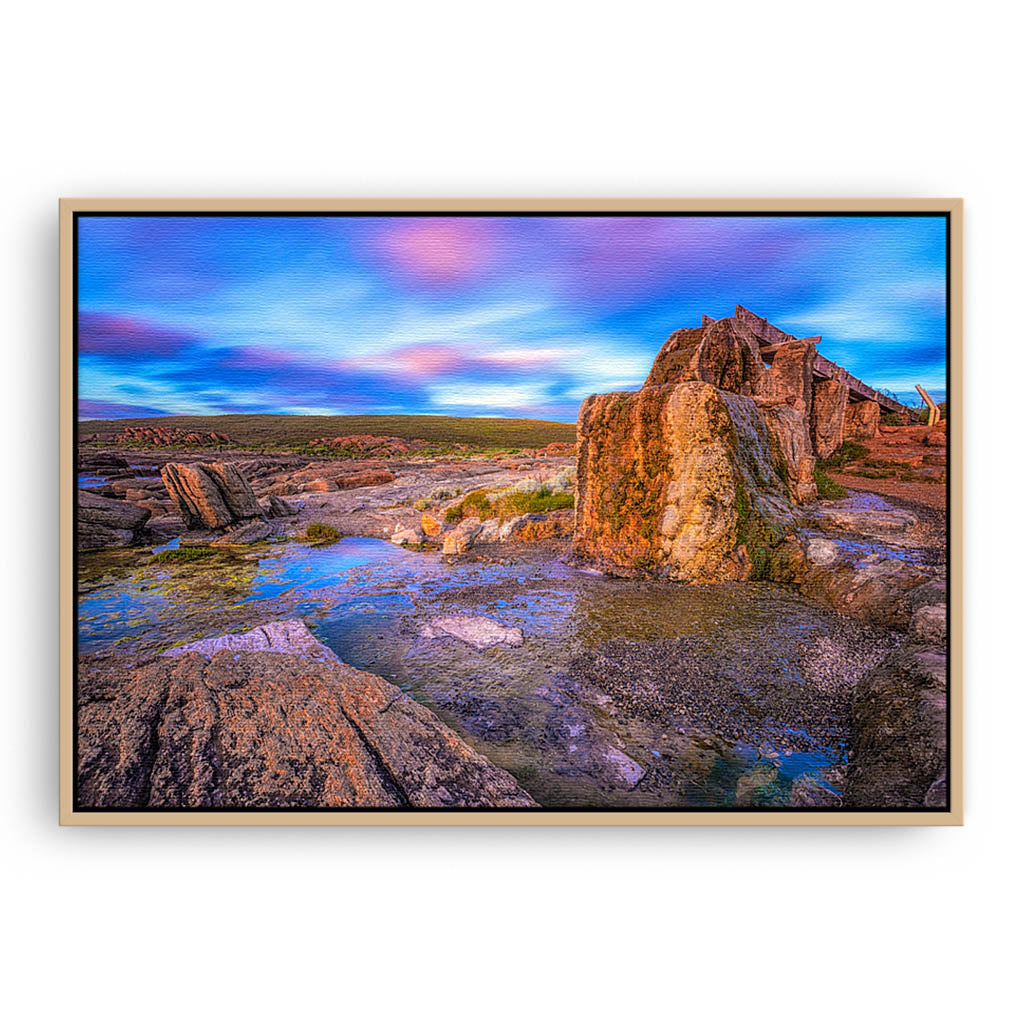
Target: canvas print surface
column 536, row 511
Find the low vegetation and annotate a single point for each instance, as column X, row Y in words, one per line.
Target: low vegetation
column 847, row 452
column 827, row 487
column 443, row 433
column 177, row 555
column 321, row 533
column 922, row 413
column 508, row 505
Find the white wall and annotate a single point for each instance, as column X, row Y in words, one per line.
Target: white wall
column 592, row 99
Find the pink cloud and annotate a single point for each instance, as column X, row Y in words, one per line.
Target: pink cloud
column 440, row 250
column 430, row 359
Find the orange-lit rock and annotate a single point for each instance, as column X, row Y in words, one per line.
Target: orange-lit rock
column 827, row 413
column 861, row 421
column 679, row 481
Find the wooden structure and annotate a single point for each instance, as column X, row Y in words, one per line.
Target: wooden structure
column 933, row 410
column 771, row 339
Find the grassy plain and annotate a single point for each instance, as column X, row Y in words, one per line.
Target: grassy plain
column 288, row 432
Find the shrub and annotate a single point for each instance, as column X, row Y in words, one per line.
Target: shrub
column 321, row 533
column 175, row 555
column 550, row 502
column 847, row 452
column 508, row 504
column 827, row 487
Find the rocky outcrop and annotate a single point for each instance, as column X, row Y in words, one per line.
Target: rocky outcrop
column 210, row 495
column 828, row 412
column 268, row 719
column 898, row 732
column 461, row 539
column 160, row 436
column 861, row 420
column 790, row 378
column 533, row 526
column 678, row 481
column 108, row 523
column 721, row 352
column 791, row 445
column 364, row 478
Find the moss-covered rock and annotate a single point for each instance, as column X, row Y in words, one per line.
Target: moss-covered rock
column 678, row 481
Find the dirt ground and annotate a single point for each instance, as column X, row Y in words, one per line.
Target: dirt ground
column 908, row 463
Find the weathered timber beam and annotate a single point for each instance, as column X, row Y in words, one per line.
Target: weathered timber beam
column 859, row 391
column 933, row 409
column 770, row 339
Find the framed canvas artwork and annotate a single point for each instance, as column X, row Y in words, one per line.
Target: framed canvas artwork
column 511, row 512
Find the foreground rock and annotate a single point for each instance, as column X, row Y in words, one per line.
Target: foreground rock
column 210, row 495
column 459, row 540
column 679, row 481
column 898, row 732
column 264, row 720
column 108, row 523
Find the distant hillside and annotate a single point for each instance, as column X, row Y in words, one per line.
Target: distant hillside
column 288, row 431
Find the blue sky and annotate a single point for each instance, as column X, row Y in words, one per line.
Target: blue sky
column 468, row 316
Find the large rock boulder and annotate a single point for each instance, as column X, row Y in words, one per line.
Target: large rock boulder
column 721, row 352
column 460, row 539
column 268, row 719
column 678, row 481
column 828, row 411
column 791, row 444
column 108, row 523
column 861, row 420
column 898, row 731
column 790, row 377
column 210, row 495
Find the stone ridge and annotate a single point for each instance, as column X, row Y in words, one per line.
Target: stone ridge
column 268, row 719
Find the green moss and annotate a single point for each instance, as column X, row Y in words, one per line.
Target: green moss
column 742, row 505
column 778, row 459
column 176, row 555
column 645, row 564
column 827, row 487
column 755, row 534
column 321, row 533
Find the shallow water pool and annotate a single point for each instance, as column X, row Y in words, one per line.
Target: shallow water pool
column 622, row 693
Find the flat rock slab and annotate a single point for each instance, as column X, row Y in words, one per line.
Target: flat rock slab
column 868, row 515
column 268, row 719
column 288, row 637
column 475, row 630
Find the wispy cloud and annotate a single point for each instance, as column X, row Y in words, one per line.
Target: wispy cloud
column 509, row 315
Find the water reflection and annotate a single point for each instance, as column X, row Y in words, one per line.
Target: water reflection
column 542, row 710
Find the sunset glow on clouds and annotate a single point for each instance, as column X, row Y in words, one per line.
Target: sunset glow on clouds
column 506, row 316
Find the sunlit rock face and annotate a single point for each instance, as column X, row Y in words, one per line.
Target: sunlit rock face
column 684, row 481
column 722, row 352
column 827, row 414
column 791, row 444
column 790, row 378
column 861, row 420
